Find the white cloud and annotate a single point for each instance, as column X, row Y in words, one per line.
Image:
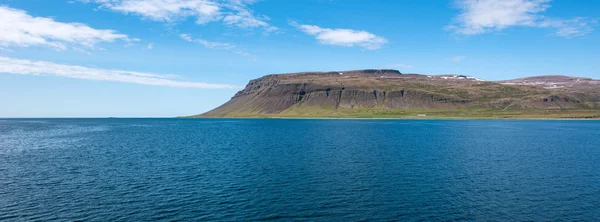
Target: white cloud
column 43, row 68
column 217, row 45
column 165, row 10
column 457, row 58
column 151, row 46
column 244, row 18
column 578, row 26
column 186, row 37
column 22, row 30
column 206, row 43
column 343, row 37
column 230, row 12
column 481, row 16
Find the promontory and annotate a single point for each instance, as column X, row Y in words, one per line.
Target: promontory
column 383, row 93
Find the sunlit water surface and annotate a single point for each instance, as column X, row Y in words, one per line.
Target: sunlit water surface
column 260, row 169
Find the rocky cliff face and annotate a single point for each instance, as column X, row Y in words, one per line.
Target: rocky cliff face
column 328, row 93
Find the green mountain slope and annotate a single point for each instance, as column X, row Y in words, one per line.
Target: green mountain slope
column 388, row 93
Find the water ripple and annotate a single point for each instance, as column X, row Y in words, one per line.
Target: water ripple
column 281, row 170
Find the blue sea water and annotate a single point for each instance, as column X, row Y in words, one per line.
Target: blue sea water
column 276, row 169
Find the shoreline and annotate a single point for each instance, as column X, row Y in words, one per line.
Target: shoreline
column 393, row 118
column 312, row 118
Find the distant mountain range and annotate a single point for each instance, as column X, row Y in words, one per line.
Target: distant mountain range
column 389, row 93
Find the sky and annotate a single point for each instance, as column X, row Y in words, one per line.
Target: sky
column 166, row 58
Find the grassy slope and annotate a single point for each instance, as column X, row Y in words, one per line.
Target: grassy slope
column 431, row 113
column 482, row 92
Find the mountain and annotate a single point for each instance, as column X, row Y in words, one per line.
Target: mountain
column 389, row 93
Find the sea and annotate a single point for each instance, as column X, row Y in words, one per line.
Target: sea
column 299, row 170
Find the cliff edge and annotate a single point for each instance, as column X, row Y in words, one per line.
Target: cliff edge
column 390, row 93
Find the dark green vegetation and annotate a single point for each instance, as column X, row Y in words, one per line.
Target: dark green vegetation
column 390, row 94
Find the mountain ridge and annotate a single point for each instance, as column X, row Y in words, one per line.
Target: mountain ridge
column 390, row 93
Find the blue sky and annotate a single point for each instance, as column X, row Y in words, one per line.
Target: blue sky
column 162, row 58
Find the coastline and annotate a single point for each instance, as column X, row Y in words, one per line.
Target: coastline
column 397, row 118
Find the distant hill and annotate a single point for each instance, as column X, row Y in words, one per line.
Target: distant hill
column 389, row 93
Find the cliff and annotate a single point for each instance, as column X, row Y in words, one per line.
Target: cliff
column 389, row 93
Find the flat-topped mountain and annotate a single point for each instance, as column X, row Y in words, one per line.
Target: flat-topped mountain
column 390, row 93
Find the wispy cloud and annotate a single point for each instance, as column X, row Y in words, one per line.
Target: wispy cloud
column 343, row 37
column 217, row 45
column 457, row 58
column 43, row 68
column 20, row 29
column 150, row 46
column 482, row 16
column 230, row 12
column 6, row 50
column 208, row 44
column 570, row 28
column 241, row 16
